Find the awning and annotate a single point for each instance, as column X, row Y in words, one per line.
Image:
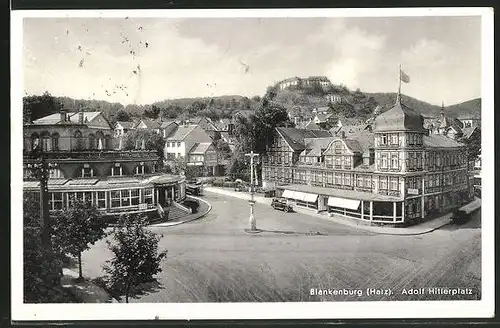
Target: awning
column 344, row 203
column 311, row 198
column 287, row 194
column 302, row 196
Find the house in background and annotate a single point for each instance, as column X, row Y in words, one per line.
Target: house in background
column 167, row 128
column 148, row 124
column 203, row 156
column 121, row 128
column 182, row 139
column 333, row 98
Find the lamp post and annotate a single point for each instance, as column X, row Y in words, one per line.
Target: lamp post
column 253, row 224
column 41, row 172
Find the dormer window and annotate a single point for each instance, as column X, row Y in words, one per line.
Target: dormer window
column 117, row 170
column 87, row 172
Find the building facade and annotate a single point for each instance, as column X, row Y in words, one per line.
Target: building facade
column 395, row 174
column 85, row 167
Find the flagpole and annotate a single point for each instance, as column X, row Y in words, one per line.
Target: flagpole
column 399, row 88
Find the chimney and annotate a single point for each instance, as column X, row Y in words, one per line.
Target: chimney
column 62, row 114
column 80, row 115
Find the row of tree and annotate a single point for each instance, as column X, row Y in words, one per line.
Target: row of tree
column 136, row 257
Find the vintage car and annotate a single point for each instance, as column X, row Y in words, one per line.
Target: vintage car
column 281, row 204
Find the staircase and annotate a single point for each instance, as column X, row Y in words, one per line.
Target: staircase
column 175, row 213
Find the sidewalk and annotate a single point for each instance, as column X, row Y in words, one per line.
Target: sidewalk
column 418, row 229
column 204, row 209
column 85, row 291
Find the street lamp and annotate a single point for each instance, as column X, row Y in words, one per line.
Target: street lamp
column 40, row 170
column 253, row 224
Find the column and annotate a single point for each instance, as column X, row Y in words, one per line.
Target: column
column 140, row 196
column 173, row 193
column 362, row 210
column 394, row 211
column 371, row 210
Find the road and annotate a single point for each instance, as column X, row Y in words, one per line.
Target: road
column 214, row 260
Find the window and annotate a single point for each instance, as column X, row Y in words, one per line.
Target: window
column 134, row 196
column 116, row 171
column 328, row 160
column 338, row 178
column 383, row 161
column 140, row 169
column 168, row 144
column 347, row 161
column 368, row 182
column 337, row 147
column 394, row 161
column 34, row 141
column 78, row 140
column 125, row 197
column 329, row 177
column 115, row 198
column 383, row 183
column 359, row 181
column 394, row 183
column 55, row 141
column 347, row 179
column 87, row 172
column 101, row 199
column 394, row 139
column 338, row 161
column 55, row 174
column 91, row 141
column 383, row 139
column 55, row 201
column 178, row 144
column 46, row 142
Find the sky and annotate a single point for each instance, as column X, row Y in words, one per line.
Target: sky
column 143, row 60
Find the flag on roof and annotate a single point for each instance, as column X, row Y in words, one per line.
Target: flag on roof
column 404, row 77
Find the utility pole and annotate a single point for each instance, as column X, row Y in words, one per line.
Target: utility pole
column 253, row 224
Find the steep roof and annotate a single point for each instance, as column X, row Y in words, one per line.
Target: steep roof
column 166, row 124
column 126, row 125
column 315, row 146
column 295, row 137
column 440, row 141
column 150, row 124
column 399, row 118
column 468, row 131
column 200, row 148
column 311, row 126
column 182, row 132
column 364, row 137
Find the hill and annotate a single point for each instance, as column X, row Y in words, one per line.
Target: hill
column 470, row 108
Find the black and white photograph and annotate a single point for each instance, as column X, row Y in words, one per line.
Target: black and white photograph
column 252, row 164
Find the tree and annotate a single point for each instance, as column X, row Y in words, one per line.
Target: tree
column 122, row 116
column 78, row 227
column 152, row 113
column 152, row 141
column 473, row 145
column 136, row 258
column 38, row 106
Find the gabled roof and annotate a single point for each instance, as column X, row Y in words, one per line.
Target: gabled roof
column 126, row 125
column 182, row 132
column 399, row 118
column 150, row 124
column 200, row 148
column 312, row 126
column 468, row 131
column 166, row 124
column 364, row 137
column 446, row 122
column 440, row 141
column 315, row 146
column 295, row 137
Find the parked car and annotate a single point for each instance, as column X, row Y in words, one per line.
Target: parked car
column 281, row 204
column 269, row 193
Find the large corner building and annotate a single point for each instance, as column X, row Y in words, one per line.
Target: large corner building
column 392, row 171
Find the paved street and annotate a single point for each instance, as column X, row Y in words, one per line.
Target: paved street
column 214, row 260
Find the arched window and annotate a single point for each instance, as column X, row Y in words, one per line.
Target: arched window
column 35, row 141
column 55, row 141
column 92, row 141
column 78, row 140
column 100, row 141
column 46, row 142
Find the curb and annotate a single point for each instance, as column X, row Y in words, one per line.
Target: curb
column 170, row 224
column 397, row 232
